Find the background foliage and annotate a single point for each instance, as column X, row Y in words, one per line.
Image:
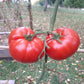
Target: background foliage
column 66, row 3
column 74, row 3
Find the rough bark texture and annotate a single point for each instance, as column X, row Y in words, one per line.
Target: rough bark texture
column 9, row 3
column 30, row 14
column 45, row 6
column 19, row 14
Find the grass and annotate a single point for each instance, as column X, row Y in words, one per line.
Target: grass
column 69, row 71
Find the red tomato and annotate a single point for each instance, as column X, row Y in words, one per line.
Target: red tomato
column 70, row 43
column 23, row 50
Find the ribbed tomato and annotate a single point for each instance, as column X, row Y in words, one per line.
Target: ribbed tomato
column 23, row 50
column 69, row 44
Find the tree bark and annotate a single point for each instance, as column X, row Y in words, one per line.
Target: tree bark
column 19, row 15
column 30, row 14
column 8, row 2
column 45, row 6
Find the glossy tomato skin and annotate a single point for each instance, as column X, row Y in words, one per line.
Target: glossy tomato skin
column 70, row 43
column 23, row 50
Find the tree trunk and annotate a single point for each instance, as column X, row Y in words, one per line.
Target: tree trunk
column 1, row 17
column 30, row 14
column 8, row 2
column 19, row 14
column 45, row 6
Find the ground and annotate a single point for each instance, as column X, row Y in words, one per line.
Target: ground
column 69, row 71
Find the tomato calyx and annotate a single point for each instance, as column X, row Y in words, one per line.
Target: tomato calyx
column 28, row 37
column 56, row 36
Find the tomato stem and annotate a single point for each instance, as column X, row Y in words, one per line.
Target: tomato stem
column 39, row 33
column 46, row 58
column 53, row 18
column 55, row 36
column 42, row 74
column 44, row 63
column 43, row 70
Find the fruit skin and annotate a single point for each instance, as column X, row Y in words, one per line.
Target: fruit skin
column 23, row 50
column 70, row 43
